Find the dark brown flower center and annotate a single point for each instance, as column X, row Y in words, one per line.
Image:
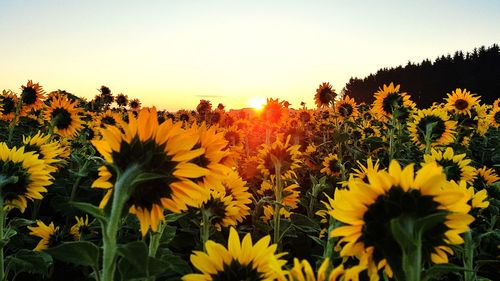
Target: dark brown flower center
column 461, row 104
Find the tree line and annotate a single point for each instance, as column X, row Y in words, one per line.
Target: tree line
column 429, row 81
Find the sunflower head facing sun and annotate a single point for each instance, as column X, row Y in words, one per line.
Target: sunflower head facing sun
column 240, row 260
column 433, row 126
column 32, row 95
column 461, row 102
column 367, row 210
column 64, row 116
column 389, row 100
column 346, row 108
column 325, row 95
column 164, row 150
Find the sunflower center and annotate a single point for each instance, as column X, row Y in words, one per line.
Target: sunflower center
column 368, row 131
column 121, row 100
column 367, row 116
column 237, row 272
column 436, row 132
column 28, row 95
column 108, row 120
column 134, row 104
column 345, row 110
column 11, row 191
column 461, row 104
column 451, row 169
column 184, row 117
column 395, row 203
column 34, row 148
column 8, row 105
column 497, row 117
column 152, row 159
column 58, row 237
column 62, row 118
column 325, row 95
column 334, row 166
column 391, row 102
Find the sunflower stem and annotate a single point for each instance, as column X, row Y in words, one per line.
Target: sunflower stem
column 121, row 194
column 3, row 182
column 77, row 181
column 13, row 122
column 154, row 239
column 328, row 251
column 205, row 227
column 469, row 257
column 277, row 206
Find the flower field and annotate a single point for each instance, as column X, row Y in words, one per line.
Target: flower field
column 108, row 190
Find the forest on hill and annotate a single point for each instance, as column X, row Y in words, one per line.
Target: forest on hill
column 429, row 81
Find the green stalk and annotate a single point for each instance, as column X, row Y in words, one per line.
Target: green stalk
column 121, row 194
column 328, row 250
column 3, row 182
column 391, row 138
column 277, row 206
column 155, row 238
column 205, row 226
column 469, row 273
column 77, row 181
column 12, row 124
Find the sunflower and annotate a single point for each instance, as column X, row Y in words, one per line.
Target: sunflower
column 305, row 115
column 368, row 130
column 363, row 171
column 248, row 169
column 494, row 117
column 108, row 118
column 367, row 209
column 332, row 166
column 496, row 103
column 27, row 177
column 184, row 116
column 477, row 200
column 81, row 226
column 461, row 102
column 163, row 150
column 135, row 105
column 274, row 111
column 237, row 189
column 485, row 177
column 239, row 261
column 32, row 95
column 279, row 153
column 456, row 167
column 434, row 122
column 8, row 103
column 121, row 100
column 325, row 95
column 63, row 115
column 51, row 235
column 49, row 151
column 346, row 108
column 216, row 159
column 388, row 99
column 302, row 271
column 204, row 107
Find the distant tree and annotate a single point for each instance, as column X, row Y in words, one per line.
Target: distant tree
column 430, row 81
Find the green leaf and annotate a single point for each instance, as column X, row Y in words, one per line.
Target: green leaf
column 91, row 210
column 305, row 224
column 29, row 262
column 435, row 271
column 78, row 252
column 20, row 222
column 134, row 262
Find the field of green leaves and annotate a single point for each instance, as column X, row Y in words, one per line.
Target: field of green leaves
column 109, row 190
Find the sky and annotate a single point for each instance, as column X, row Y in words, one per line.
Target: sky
column 171, row 54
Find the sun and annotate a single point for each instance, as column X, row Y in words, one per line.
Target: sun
column 257, row 102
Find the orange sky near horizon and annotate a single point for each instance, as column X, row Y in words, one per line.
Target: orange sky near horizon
column 173, row 53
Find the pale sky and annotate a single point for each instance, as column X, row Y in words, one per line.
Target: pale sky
column 173, row 53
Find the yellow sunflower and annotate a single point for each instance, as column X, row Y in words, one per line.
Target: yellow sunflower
column 237, row 189
column 81, row 226
column 368, row 130
column 485, row 177
column 494, row 117
column 363, row 171
column 235, row 139
column 461, row 101
column 51, row 235
column 324, row 95
column 476, row 199
column 332, row 165
column 8, row 104
column 26, row 177
column 279, row 153
column 274, row 111
column 456, row 167
column 63, row 115
column 185, row 116
column 164, row 150
column 32, row 95
column 388, row 99
column 496, row 103
column 346, row 108
column 367, row 209
column 49, row 151
column 108, row 118
column 302, row 271
column 434, row 124
column 239, row 261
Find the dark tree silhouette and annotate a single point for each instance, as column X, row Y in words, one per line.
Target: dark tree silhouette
column 427, row 82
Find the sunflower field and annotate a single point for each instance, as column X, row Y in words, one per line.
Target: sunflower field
column 109, row 190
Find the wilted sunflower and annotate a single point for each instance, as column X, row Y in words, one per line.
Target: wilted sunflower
column 367, row 209
column 163, row 150
column 461, row 102
column 49, row 151
column 239, row 261
column 456, row 167
column 494, row 117
column 436, row 123
column 388, row 99
column 29, row 177
column 284, row 154
column 8, row 104
column 32, row 95
column 324, row 95
column 332, row 165
column 135, row 105
column 63, row 115
column 346, row 108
